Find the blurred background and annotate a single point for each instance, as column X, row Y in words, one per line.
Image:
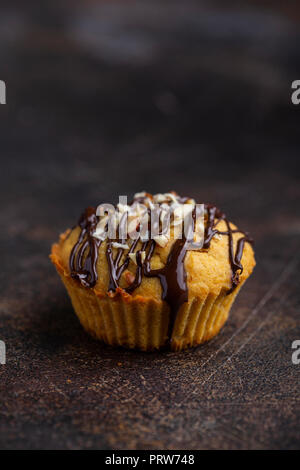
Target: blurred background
column 106, row 98
column 113, row 97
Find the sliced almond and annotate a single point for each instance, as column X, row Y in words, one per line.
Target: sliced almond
column 124, row 246
column 171, row 196
column 138, row 195
column 132, row 256
column 159, row 198
column 161, row 240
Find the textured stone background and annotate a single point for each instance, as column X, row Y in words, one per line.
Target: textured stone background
column 108, row 98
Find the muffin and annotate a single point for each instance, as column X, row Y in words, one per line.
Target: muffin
column 160, row 271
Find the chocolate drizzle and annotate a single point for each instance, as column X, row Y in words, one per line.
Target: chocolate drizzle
column 84, row 255
column 213, row 218
column 172, row 276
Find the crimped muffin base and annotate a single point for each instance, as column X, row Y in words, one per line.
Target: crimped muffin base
column 141, row 323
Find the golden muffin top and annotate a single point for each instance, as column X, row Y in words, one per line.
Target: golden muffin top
column 159, row 246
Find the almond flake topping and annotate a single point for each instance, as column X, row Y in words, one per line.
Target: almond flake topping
column 124, row 246
column 132, row 256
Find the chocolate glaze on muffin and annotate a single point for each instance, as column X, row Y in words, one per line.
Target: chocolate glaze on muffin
column 123, row 270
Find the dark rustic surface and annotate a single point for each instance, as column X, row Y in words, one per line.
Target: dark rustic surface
column 119, row 97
